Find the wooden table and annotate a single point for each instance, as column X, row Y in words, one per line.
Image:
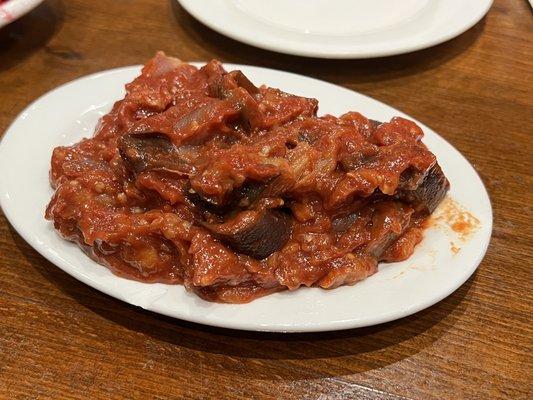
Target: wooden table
column 61, row 339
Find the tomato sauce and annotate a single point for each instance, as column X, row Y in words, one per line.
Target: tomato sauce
column 198, row 177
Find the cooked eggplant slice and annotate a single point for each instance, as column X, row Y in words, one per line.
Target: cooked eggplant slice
column 150, row 151
column 374, row 123
column 240, row 198
column 222, row 87
column 235, row 86
column 389, row 221
column 255, row 233
column 427, row 196
column 242, row 81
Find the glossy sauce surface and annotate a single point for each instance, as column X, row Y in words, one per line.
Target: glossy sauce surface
column 198, row 177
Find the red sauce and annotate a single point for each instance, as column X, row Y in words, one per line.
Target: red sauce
column 462, row 226
column 454, row 248
column 453, row 216
column 183, row 177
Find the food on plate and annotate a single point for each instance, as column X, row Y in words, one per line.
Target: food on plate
column 199, row 177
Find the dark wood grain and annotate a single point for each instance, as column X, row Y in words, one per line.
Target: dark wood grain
column 61, row 339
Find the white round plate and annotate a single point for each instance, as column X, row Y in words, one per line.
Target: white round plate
column 14, row 9
column 339, row 28
column 70, row 112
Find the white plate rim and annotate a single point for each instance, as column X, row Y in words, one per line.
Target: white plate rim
column 250, row 326
column 14, row 9
column 193, row 7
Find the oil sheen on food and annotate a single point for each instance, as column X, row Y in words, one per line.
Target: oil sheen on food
column 199, row 177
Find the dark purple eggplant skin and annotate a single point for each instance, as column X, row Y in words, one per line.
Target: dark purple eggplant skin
column 150, row 151
column 387, row 234
column 375, row 123
column 257, row 235
column 243, row 81
column 424, row 190
column 222, row 87
column 240, row 198
column 428, row 195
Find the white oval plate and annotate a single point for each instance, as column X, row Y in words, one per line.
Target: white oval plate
column 15, row 9
column 339, row 28
column 70, row 112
